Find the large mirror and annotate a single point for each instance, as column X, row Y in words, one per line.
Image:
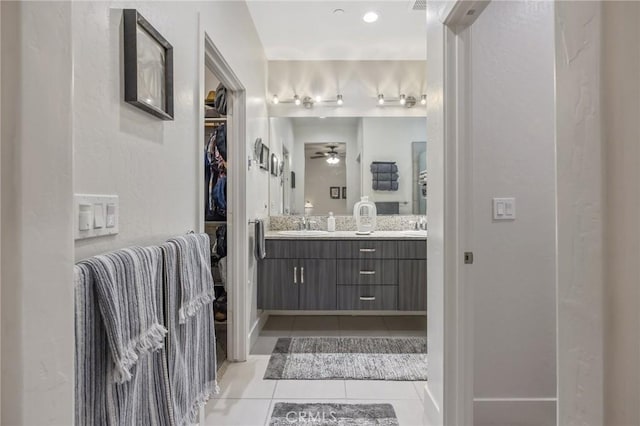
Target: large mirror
column 329, row 163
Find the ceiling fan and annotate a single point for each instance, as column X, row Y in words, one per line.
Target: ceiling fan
column 332, row 156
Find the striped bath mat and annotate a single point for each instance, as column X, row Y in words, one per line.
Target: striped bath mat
column 287, row 414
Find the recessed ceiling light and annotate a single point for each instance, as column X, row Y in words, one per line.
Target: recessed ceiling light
column 370, row 17
column 338, row 11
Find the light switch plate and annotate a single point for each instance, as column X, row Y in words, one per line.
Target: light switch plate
column 504, row 209
column 91, row 210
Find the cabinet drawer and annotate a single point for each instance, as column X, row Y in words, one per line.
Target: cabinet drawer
column 367, row 249
column 367, row 272
column 367, row 297
column 300, row 249
column 412, row 249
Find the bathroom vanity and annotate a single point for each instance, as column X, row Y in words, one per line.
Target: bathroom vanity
column 344, row 271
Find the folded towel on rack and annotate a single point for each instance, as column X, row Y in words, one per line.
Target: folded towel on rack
column 194, row 261
column 99, row 400
column 385, row 176
column 191, row 343
column 127, row 282
column 383, row 167
column 261, row 251
column 384, row 185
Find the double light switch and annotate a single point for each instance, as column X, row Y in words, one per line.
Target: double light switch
column 504, row 209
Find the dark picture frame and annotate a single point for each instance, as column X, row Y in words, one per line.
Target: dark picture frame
column 334, row 192
column 293, row 180
column 344, row 192
column 275, row 164
column 148, row 67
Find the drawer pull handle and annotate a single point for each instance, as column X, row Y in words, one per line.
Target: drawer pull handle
column 367, row 272
column 295, row 275
column 367, row 250
column 367, row 298
column 302, row 275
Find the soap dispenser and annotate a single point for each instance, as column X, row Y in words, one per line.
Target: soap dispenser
column 331, row 223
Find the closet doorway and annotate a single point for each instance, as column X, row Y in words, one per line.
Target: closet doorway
column 222, row 201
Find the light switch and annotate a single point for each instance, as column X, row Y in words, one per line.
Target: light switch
column 84, row 217
column 98, row 216
column 504, row 209
column 111, row 215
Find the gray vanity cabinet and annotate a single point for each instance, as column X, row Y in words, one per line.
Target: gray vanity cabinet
column 327, row 275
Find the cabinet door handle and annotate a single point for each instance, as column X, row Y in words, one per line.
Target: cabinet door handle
column 295, row 275
column 302, row 275
column 367, row 272
column 367, row 250
column 367, row 298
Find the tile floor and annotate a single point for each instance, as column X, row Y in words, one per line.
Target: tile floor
column 246, row 399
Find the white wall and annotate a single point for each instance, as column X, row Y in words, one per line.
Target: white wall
column 37, row 245
column 319, row 177
column 580, row 203
column 621, row 143
column 514, row 273
column 390, row 139
column 327, row 130
column 117, row 149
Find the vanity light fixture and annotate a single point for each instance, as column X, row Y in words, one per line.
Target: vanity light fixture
column 275, row 100
column 296, row 100
column 339, row 100
column 370, row 17
column 423, row 100
column 403, row 99
column 380, row 99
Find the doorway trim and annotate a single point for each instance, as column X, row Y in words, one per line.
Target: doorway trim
column 237, row 220
column 449, row 398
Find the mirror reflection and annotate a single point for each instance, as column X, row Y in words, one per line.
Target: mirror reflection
column 330, row 163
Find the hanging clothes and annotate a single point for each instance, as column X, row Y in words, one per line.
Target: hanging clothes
column 216, row 176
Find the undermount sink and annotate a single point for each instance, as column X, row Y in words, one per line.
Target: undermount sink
column 303, row 233
column 415, row 233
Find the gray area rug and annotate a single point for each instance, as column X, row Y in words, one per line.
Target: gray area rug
column 353, row 358
column 287, row 414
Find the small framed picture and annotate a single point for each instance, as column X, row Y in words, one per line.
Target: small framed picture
column 275, row 165
column 148, row 67
column 334, row 192
column 344, row 192
column 264, row 158
column 293, row 180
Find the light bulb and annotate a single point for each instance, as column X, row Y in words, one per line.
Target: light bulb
column 340, row 101
column 296, row 100
column 318, row 98
column 403, row 99
column 370, row 17
column 423, row 100
column 275, row 99
column 381, row 99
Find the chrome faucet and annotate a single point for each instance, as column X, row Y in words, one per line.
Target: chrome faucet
column 422, row 223
column 305, row 224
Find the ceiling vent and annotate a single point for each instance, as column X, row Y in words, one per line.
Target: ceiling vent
column 418, row 5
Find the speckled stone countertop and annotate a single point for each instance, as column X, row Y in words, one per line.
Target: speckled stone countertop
column 346, row 235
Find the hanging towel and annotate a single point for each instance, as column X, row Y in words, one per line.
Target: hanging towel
column 191, row 343
column 99, row 400
column 126, row 283
column 194, row 261
column 261, row 251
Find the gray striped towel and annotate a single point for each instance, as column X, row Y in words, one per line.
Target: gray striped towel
column 191, row 344
column 194, row 262
column 127, row 284
column 143, row 400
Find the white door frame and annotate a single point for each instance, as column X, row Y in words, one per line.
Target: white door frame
column 237, row 222
column 449, row 398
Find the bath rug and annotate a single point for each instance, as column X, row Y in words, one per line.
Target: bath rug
column 349, row 358
column 288, row 414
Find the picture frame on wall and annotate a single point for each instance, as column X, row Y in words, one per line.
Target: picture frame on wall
column 293, row 180
column 264, row 157
column 148, row 67
column 334, row 192
column 344, row 192
column 275, row 165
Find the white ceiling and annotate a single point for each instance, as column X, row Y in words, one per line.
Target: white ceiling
column 309, row 30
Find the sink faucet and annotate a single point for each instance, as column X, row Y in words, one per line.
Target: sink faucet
column 305, row 224
column 422, row 223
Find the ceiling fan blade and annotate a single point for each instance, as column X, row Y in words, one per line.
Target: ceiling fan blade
column 316, row 157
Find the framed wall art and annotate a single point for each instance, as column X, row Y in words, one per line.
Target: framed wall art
column 148, row 67
column 334, row 192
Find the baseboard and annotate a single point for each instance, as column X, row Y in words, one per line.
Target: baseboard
column 352, row 313
column 256, row 328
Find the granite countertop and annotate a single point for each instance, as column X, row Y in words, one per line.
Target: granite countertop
column 346, row 235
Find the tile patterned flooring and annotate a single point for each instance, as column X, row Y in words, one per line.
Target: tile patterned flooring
column 246, row 399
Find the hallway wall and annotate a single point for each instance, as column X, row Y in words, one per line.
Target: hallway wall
column 514, row 272
column 71, row 132
column 621, row 110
